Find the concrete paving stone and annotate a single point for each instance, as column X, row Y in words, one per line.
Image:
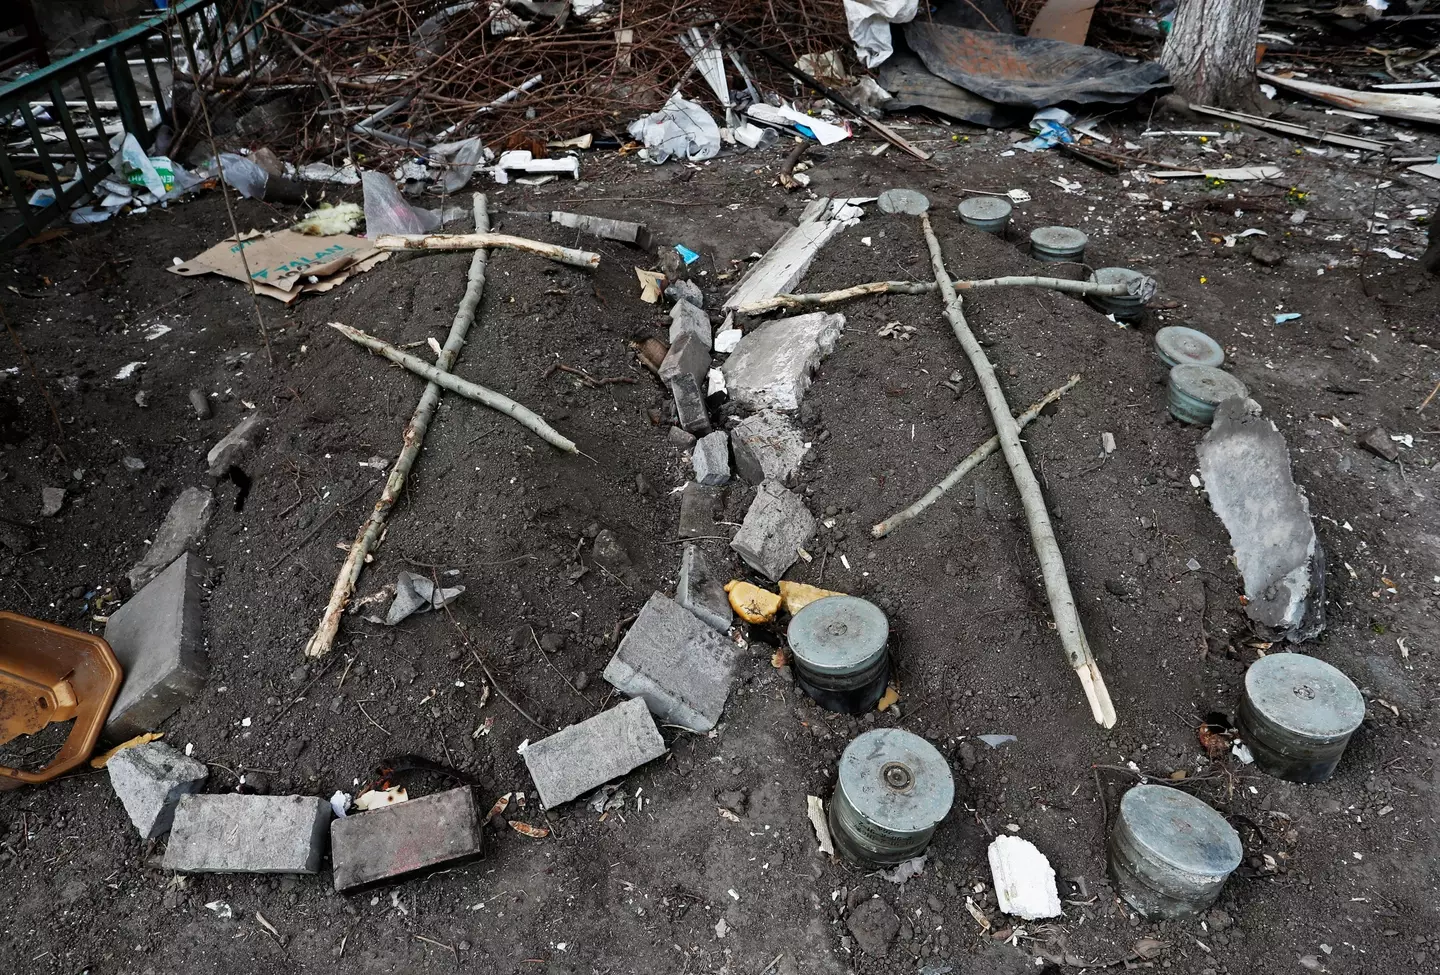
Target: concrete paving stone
column 584, row 756
column 149, row 780
column 183, row 525
column 392, row 842
column 157, row 638
column 775, row 528
column 771, row 367
column 767, row 447
column 701, row 591
column 688, row 356
column 697, row 511
column 711, row 459
column 681, row 667
column 687, row 319
column 248, row 834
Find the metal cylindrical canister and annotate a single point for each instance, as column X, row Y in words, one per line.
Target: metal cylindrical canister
column 892, row 790
column 1126, row 308
column 1297, row 714
column 1195, row 391
column 1055, row 244
column 839, row 648
column 1177, row 345
column 988, row 213
column 1170, row 853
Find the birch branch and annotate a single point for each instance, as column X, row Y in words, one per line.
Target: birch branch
column 824, row 299
column 445, row 380
column 976, row 457
column 1042, row 534
column 323, row 640
column 470, row 242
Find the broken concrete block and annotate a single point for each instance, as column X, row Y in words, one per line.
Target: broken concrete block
column 585, row 756
column 771, row 366
column 183, row 525
column 247, row 834
column 681, row 667
column 389, row 843
column 1024, row 879
column 686, row 319
column 767, row 447
column 156, row 637
column 688, row 356
column 52, row 499
column 690, row 409
column 701, row 591
column 1378, row 442
column 711, row 459
column 149, row 779
column 686, row 291
column 235, row 445
column 776, row 527
column 1246, row 467
column 697, row 511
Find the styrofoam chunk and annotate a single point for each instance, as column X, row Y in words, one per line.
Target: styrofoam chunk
column 1024, row 879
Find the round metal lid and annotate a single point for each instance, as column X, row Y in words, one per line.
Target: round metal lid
column 1058, row 238
column 1178, row 830
column 896, row 780
column 985, row 208
column 1304, row 696
column 1181, row 345
column 1206, row 383
column 838, row 634
column 912, row 202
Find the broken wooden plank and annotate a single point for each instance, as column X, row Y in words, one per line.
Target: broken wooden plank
column 1291, row 128
column 786, row 262
column 1412, row 108
column 635, row 234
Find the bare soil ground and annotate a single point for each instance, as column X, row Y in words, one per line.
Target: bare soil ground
column 1338, row 877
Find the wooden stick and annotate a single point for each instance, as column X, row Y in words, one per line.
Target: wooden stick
column 971, row 462
column 1042, row 534
column 470, row 242
column 1429, row 398
column 453, row 383
column 323, row 640
column 791, row 302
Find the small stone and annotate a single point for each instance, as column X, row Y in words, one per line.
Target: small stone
column 142, row 398
column 1377, row 441
column 1267, row 254
column 236, row 445
column 300, row 674
column 690, row 409
column 687, row 291
column 680, row 438
column 711, row 459
column 688, row 356
column 200, row 404
column 874, row 926
column 52, row 499
column 133, row 463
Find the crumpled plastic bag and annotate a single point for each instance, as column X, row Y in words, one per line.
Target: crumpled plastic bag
column 245, row 175
column 869, row 22
column 132, row 157
column 681, row 128
column 457, row 161
column 415, row 593
column 387, row 212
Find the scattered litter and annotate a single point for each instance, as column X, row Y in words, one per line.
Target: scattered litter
column 1242, row 752
column 415, row 593
column 286, row 264
column 815, row 809
column 652, row 284
column 680, row 129
column 751, row 603
column 1234, row 174
column 995, row 741
column 1283, row 317
column 689, row 256
column 798, row 595
column 220, row 909
column 1392, row 253
column 340, row 804
column 129, row 369
column 1024, row 880
column 902, row 872
column 379, row 798
column 331, row 220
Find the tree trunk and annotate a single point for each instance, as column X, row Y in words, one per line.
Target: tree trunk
column 1211, row 51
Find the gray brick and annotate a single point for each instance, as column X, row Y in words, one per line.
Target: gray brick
column 687, row 291
column 701, row 591
column 248, row 834
column 688, row 356
column 686, row 319
column 585, row 756
column 149, row 780
column 711, row 459
column 771, row 367
column 183, row 525
column 236, row 445
column 681, row 667
column 157, row 638
column 776, row 527
column 395, row 841
column 697, row 511
column 767, row 447
column 690, row 409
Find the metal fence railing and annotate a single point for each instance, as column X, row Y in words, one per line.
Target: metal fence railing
column 57, row 123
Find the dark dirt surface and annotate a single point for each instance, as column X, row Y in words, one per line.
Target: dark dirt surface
column 1338, row 877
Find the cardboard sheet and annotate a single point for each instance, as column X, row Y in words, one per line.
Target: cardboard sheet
column 283, row 264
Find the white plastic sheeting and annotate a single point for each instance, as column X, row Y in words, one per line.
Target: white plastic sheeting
column 680, row 129
column 869, row 22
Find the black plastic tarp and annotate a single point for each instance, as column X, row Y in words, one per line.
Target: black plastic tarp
column 1030, row 72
